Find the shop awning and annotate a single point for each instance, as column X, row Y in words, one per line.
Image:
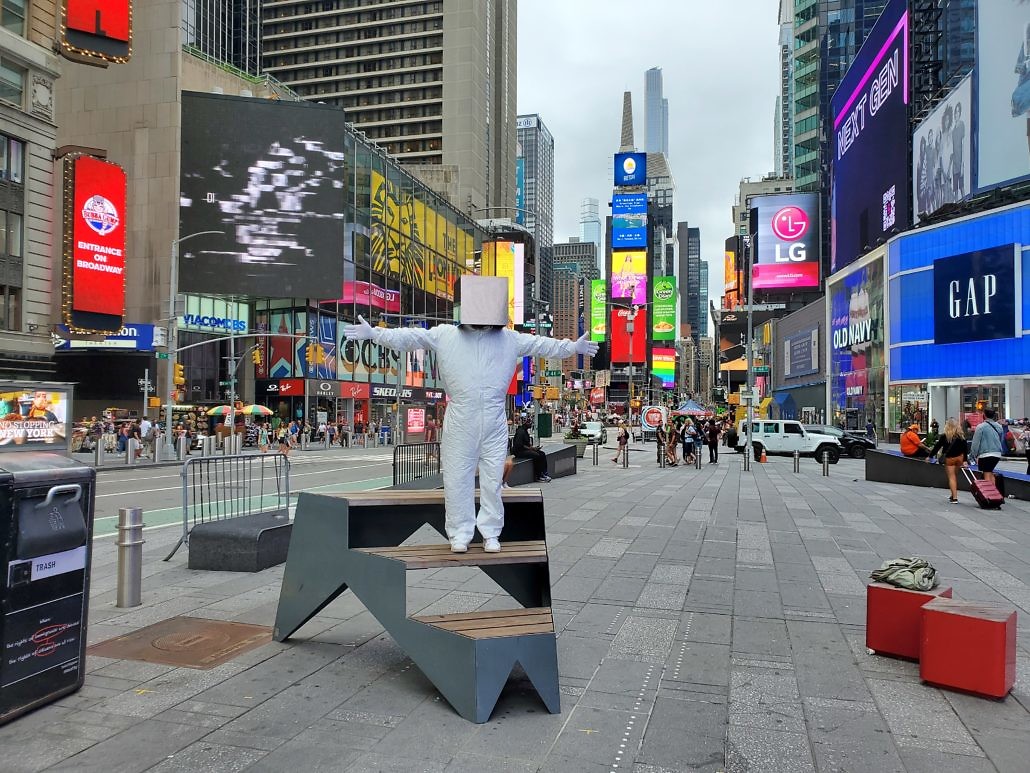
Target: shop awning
column 735, row 365
column 782, row 399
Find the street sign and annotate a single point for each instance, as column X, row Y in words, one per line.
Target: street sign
column 552, row 373
column 760, row 369
column 162, row 355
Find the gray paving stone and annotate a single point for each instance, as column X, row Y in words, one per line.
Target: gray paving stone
column 645, row 638
column 920, row 718
column 751, row 750
column 136, row 748
column 210, row 756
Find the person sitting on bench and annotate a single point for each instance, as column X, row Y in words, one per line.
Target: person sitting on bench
column 522, row 447
column 912, row 445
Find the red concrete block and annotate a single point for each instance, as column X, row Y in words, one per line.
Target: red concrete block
column 969, row 645
column 892, row 618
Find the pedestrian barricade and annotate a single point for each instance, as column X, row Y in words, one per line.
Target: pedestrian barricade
column 414, row 461
column 219, row 488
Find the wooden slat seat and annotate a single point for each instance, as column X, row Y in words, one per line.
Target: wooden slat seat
column 383, row 497
column 439, row 556
column 494, row 623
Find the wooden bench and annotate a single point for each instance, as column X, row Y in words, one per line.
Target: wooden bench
column 355, row 540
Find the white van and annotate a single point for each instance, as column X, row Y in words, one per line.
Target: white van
column 776, row 436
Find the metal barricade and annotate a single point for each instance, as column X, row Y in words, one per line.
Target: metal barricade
column 216, row 488
column 415, row 460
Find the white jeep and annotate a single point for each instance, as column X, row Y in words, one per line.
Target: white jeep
column 785, row 437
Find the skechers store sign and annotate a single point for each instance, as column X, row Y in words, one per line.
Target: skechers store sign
column 972, row 275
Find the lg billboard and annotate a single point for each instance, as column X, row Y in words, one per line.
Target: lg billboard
column 269, row 176
column 869, row 197
column 787, row 246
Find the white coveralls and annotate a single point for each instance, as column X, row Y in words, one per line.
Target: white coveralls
column 476, row 367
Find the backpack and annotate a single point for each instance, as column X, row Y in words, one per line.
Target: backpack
column 910, row 573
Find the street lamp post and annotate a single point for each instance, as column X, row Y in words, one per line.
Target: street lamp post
column 173, row 290
column 750, row 340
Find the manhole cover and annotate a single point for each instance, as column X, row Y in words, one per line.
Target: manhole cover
column 190, row 642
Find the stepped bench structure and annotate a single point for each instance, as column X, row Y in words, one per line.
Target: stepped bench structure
column 354, row 540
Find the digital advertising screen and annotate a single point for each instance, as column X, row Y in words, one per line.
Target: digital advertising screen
column 629, row 220
column 630, row 169
column 663, row 308
column 663, row 365
column 730, row 283
column 101, row 29
column 34, row 419
column 598, row 308
column 787, row 246
column 856, row 336
column 268, row 178
column 95, row 199
column 508, row 259
column 520, row 190
column 942, row 152
column 1002, row 92
column 869, row 189
column 960, row 298
column 620, row 348
column 629, row 276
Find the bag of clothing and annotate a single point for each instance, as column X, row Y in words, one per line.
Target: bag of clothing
column 910, row 573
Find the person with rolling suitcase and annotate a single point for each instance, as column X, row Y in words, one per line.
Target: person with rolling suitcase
column 953, row 444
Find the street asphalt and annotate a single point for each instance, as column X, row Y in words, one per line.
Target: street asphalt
column 708, row 619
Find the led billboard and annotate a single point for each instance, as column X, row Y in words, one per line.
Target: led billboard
column 268, row 176
column 729, row 270
column 959, row 300
column 663, row 308
column 622, row 343
column 787, row 245
column 94, row 245
column 630, row 169
column 99, row 29
column 507, row 259
column 663, row 365
column 1002, row 92
column 869, row 190
column 629, row 276
column 520, row 190
column 941, row 153
column 629, row 220
column 34, row 419
column 598, row 306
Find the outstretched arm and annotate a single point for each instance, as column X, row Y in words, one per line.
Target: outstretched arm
column 401, row 339
column 541, row 346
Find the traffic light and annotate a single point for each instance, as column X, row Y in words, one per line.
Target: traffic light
column 255, row 356
column 319, row 354
column 179, row 375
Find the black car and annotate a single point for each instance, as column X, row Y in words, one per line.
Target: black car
column 854, row 443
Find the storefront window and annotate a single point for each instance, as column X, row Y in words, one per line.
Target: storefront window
column 909, row 404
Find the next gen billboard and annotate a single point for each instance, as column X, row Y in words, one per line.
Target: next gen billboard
column 787, row 248
column 960, row 300
column 630, row 169
column 598, row 304
column 629, row 220
column 663, row 307
column 870, row 179
column 1003, row 91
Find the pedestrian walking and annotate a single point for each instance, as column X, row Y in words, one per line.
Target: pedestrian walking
column 622, row 450
column 1024, row 437
column 953, row 445
column 713, row 442
column 988, row 444
column 672, row 441
column 660, row 438
column 689, row 440
column 263, row 438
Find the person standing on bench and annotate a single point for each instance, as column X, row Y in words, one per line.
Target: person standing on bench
column 476, row 359
column 522, row 448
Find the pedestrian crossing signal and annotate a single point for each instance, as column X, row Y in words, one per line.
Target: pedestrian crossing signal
column 255, row 356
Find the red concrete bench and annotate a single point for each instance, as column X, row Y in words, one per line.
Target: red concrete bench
column 969, row 645
column 893, row 618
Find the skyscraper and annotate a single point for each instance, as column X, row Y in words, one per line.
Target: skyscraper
column 691, row 308
column 590, row 229
column 702, row 315
column 578, row 256
column 433, row 83
column 783, row 125
column 827, row 36
column 227, row 31
column 537, row 210
column 656, row 113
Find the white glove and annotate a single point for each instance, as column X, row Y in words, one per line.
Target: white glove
column 585, row 346
column 359, row 332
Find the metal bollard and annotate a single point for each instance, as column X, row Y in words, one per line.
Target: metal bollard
column 182, row 448
column 747, row 458
column 158, row 448
column 130, row 556
column 130, row 451
column 826, row 464
column 797, row 461
column 100, row 453
column 596, row 452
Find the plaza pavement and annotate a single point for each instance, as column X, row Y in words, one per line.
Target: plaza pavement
column 709, row 619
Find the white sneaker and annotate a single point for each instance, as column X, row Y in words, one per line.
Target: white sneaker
column 505, row 485
column 492, row 545
column 459, row 547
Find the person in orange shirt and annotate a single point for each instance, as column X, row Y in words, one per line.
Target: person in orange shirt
column 912, row 445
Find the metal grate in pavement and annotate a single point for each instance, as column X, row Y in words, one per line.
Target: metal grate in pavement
column 188, row 642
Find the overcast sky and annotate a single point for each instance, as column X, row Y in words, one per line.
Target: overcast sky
column 720, row 66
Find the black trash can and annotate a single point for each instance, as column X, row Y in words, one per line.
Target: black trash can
column 46, row 531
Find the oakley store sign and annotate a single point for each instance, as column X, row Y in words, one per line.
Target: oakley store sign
column 214, row 315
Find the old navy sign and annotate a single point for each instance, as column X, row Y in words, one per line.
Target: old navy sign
column 974, row 296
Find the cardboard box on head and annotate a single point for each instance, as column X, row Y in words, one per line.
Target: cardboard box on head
column 484, row 300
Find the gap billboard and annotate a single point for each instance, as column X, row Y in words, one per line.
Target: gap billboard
column 869, row 188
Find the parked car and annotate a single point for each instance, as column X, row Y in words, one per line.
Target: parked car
column 854, row 443
column 786, row 437
column 594, row 432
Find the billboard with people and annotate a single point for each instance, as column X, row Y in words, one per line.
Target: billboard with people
column 941, row 153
